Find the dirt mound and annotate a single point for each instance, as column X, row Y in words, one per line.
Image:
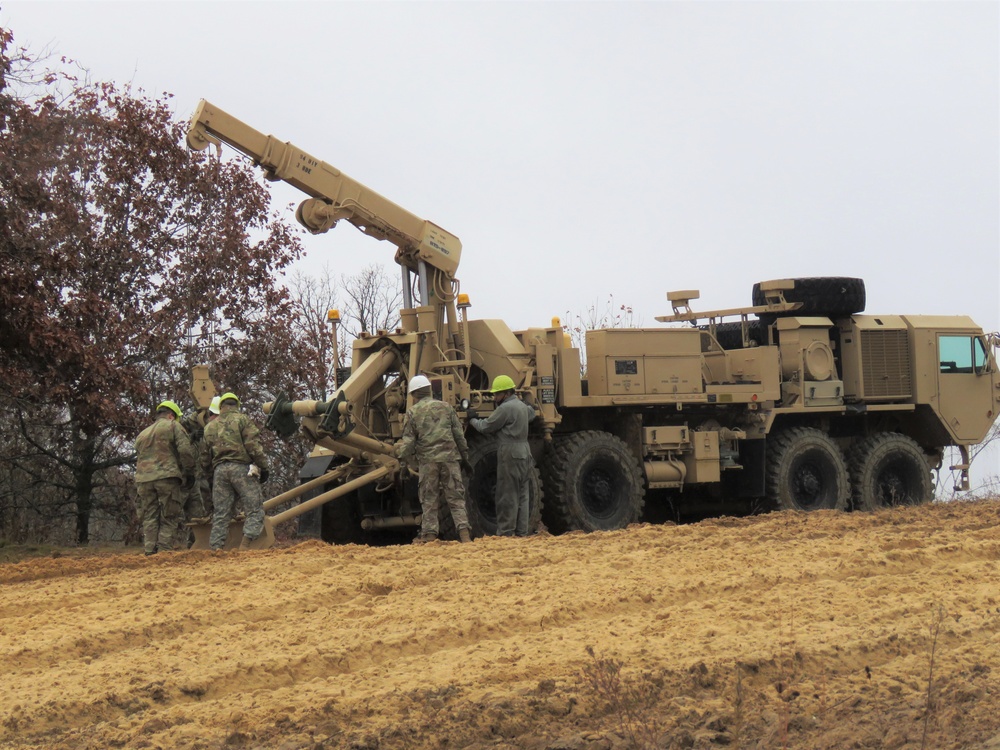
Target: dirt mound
column 825, row 630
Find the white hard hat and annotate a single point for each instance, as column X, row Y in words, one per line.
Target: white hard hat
column 214, row 406
column 417, row 382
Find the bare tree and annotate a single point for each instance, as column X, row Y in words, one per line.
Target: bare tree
column 372, row 301
column 988, row 487
column 312, row 299
column 611, row 315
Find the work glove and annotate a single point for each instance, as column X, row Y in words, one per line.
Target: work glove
column 471, row 414
column 189, row 481
column 253, row 471
column 466, row 466
column 264, row 474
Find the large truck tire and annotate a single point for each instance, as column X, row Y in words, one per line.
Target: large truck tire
column 830, row 296
column 480, row 489
column 806, row 471
column 889, row 469
column 341, row 519
column 730, row 335
column 592, row 483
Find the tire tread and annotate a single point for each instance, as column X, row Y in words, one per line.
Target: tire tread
column 778, row 446
column 859, row 457
column 559, row 515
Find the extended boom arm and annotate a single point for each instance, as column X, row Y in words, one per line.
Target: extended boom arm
column 335, row 196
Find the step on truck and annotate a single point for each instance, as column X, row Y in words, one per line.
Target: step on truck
column 797, row 401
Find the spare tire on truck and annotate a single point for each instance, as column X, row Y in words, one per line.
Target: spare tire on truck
column 830, row 296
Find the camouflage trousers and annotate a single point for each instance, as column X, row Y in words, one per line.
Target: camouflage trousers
column 231, row 482
column 160, row 512
column 441, row 484
column 512, row 493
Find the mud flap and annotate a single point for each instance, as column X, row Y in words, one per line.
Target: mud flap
column 203, row 532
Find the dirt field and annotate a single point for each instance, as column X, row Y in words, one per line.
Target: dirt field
column 802, row 631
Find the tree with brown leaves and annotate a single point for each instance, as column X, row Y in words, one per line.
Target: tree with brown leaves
column 124, row 259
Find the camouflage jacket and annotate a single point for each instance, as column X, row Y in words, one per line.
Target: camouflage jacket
column 163, row 451
column 232, row 437
column 432, row 433
column 193, row 425
column 196, row 431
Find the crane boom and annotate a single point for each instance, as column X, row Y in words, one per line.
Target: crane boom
column 333, row 195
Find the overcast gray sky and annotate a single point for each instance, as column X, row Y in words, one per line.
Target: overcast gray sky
column 582, row 150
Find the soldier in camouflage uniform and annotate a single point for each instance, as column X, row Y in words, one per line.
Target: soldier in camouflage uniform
column 509, row 422
column 233, row 453
column 433, row 434
column 164, row 462
column 205, row 481
column 198, row 498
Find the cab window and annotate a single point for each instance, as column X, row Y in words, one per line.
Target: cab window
column 963, row 354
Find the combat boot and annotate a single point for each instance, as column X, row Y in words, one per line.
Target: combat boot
column 423, row 538
column 464, row 535
column 245, row 544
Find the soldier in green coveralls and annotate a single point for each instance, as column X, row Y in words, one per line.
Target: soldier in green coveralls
column 509, row 422
column 233, row 453
column 433, row 435
column 164, row 461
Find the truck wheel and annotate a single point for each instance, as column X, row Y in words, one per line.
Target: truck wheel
column 480, row 489
column 833, row 296
column 806, row 471
column 889, row 469
column 341, row 522
column 592, row 483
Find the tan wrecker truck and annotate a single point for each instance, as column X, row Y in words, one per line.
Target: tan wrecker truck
column 797, row 402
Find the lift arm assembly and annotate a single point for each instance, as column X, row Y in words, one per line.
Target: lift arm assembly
column 334, row 195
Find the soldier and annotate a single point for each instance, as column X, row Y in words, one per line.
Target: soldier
column 205, row 480
column 509, row 420
column 164, row 460
column 197, row 499
column 434, row 435
column 233, row 453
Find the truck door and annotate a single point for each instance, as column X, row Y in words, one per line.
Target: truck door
column 965, row 388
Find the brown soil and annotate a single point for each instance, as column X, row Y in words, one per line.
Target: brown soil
column 826, row 630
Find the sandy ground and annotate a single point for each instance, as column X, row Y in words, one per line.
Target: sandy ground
column 802, row 631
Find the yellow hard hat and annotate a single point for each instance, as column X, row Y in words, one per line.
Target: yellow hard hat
column 170, row 405
column 227, row 396
column 502, row 383
column 214, row 406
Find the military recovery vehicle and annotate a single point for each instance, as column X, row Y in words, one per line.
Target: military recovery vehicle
column 799, row 401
